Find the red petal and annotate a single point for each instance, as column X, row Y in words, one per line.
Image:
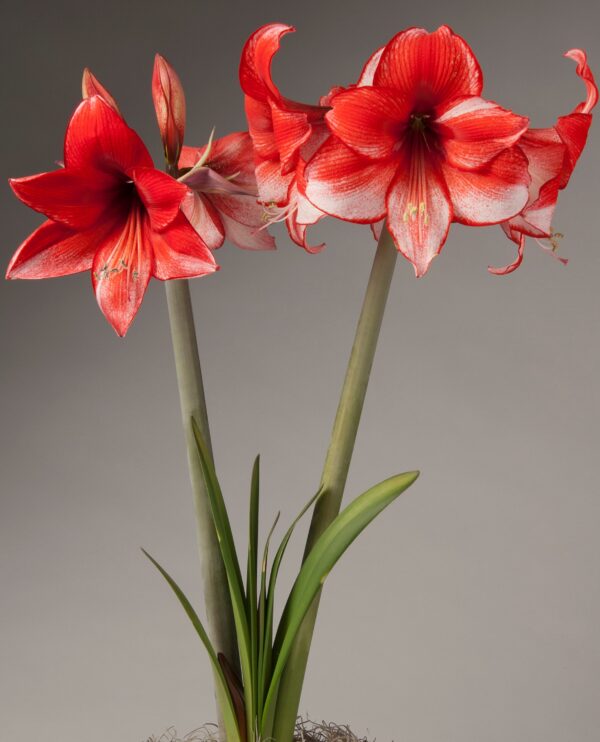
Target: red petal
column 54, row 250
column 246, row 236
column 77, row 199
column 520, row 240
column 272, row 185
column 368, row 71
column 98, row 138
column 91, row 86
column 121, row 271
column 161, row 194
column 492, row 194
column 180, row 253
column 476, row 130
column 260, row 125
column 429, row 68
column 229, row 155
column 369, row 120
column 344, row 184
column 257, row 55
column 291, row 130
column 204, row 218
column 573, row 130
column 418, row 210
column 302, row 214
column 580, row 57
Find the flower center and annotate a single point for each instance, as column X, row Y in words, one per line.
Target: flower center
column 126, row 253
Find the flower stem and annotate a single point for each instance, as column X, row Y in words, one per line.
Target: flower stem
column 219, row 614
column 337, row 464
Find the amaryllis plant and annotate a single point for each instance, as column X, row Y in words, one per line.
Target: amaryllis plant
column 408, row 149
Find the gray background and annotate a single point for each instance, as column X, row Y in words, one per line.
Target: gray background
column 470, row 611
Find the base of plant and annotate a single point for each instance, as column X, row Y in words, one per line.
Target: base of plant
column 306, row 731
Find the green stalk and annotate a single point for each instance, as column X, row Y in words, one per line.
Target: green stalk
column 337, row 464
column 219, row 613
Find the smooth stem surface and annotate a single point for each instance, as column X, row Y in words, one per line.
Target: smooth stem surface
column 337, row 464
column 219, row 614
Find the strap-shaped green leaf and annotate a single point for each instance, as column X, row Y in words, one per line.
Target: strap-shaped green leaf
column 264, row 641
column 251, row 571
column 330, row 546
column 232, row 569
column 228, row 708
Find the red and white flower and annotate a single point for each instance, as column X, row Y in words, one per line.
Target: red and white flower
column 416, row 144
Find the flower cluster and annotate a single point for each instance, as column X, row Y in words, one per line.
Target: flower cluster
column 413, row 143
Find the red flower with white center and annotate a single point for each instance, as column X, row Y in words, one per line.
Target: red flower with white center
column 285, row 135
column 222, row 200
column 420, row 147
column 109, row 211
column 552, row 154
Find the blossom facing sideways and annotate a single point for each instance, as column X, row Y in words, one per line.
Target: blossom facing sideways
column 110, row 212
column 552, row 154
column 420, row 147
column 285, row 134
column 222, row 199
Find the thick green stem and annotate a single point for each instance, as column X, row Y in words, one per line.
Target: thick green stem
column 219, row 614
column 337, row 464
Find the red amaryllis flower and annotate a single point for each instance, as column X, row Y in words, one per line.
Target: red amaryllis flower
column 420, row 147
column 169, row 104
column 222, row 201
column 285, row 134
column 552, row 154
column 110, row 211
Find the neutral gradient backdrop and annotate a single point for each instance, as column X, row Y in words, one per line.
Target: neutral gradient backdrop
column 469, row 612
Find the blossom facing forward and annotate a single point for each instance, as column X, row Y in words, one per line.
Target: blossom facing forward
column 415, row 143
column 110, row 212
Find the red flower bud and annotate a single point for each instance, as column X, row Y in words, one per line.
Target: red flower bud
column 169, row 104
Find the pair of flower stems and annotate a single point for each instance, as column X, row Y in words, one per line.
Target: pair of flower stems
column 220, row 622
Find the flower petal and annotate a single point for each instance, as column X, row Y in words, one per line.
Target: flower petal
column 230, row 155
column 368, row 71
column 245, row 236
column 55, row 250
column 260, row 126
column 344, row 184
column 75, row 198
column 476, row 130
column 585, row 73
column 98, row 137
column 418, row 210
column 257, row 55
column 161, row 194
column 492, row 194
column 91, row 86
column 179, row 252
column 272, row 185
column 520, row 241
column 119, row 284
column 429, row 68
column 291, row 130
column 369, row 120
column 204, row 218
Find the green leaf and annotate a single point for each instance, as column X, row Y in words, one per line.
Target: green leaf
column 263, row 656
column 270, row 606
column 330, row 546
column 229, row 711
column 232, row 569
column 251, row 571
